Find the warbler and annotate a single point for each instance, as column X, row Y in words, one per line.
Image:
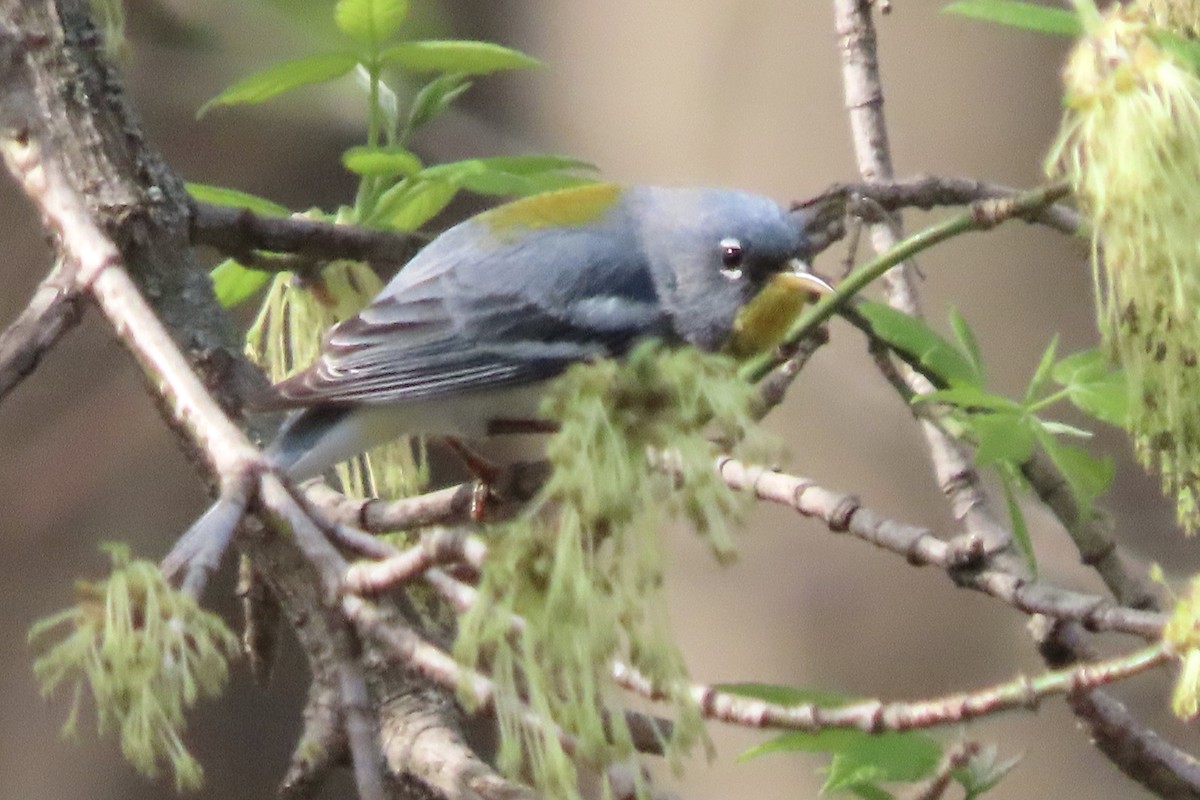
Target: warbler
column 463, row 340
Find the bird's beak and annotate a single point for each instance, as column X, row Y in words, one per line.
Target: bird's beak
column 764, row 321
column 800, row 279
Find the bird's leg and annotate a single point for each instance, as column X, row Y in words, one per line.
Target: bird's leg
column 486, row 476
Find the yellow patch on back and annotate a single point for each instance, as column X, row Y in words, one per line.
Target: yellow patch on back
column 564, row 208
column 762, row 323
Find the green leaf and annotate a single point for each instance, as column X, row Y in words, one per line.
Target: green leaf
column 533, row 164
column 1030, row 17
column 871, row 791
column 510, row 175
column 1086, row 365
column 434, row 98
column 784, row 695
column 409, row 205
column 920, row 345
column 1042, row 374
column 1016, row 518
column 383, row 161
column 966, row 340
column 1094, row 387
column 890, row 756
column 233, row 283
column 860, row 756
column 1001, row 438
column 370, row 22
column 460, row 56
column 224, row 196
column 1087, row 477
column 971, row 399
column 283, row 78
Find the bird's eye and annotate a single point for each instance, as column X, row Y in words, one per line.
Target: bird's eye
column 732, row 255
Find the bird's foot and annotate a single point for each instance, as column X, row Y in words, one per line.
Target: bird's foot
column 486, row 474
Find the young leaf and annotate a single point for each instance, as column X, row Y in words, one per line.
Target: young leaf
column 888, row 756
column 407, row 206
column 883, row 757
column 971, row 398
column 460, row 56
column 233, row 283
column 382, row 161
column 497, row 182
column 283, row 77
column 510, row 175
column 1042, row 374
column 1001, row 438
column 224, row 196
column 434, row 97
column 1086, row 365
column 920, row 345
column 871, row 791
column 370, row 22
column 533, row 164
column 1031, row 17
column 1093, row 387
column 1016, row 518
column 966, row 340
column 1087, row 477
column 860, row 757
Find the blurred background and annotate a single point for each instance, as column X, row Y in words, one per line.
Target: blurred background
column 741, row 93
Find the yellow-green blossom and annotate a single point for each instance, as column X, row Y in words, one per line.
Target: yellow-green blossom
column 286, row 337
column 1182, row 632
column 147, row 652
column 1182, row 16
column 584, row 567
column 1130, row 144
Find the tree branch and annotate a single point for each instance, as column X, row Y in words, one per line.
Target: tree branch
column 875, row 716
column 237, row 232
column 53, row 310
column 864, row 103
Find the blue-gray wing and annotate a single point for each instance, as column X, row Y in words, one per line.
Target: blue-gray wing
column 453, row 322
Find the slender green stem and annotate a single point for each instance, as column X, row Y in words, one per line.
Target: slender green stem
column 979, row 216
column 1048, row 401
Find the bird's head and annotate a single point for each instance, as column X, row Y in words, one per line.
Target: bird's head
column 729, row 266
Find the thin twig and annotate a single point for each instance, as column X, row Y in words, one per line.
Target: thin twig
column 874, row 716
column 978, row 217
column 864, row 104
column 53, row 310
column 515, row 485
column 964, row 560
column 440, row 546
column 362, row 737
column 955, row 758
column 322, row 745
column 1137, row 751
column 1092, row 535
column 237, row 231
column 870, row 200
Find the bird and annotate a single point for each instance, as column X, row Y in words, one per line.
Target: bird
column 462, row 342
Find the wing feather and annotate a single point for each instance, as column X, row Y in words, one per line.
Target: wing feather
column 458, row 323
